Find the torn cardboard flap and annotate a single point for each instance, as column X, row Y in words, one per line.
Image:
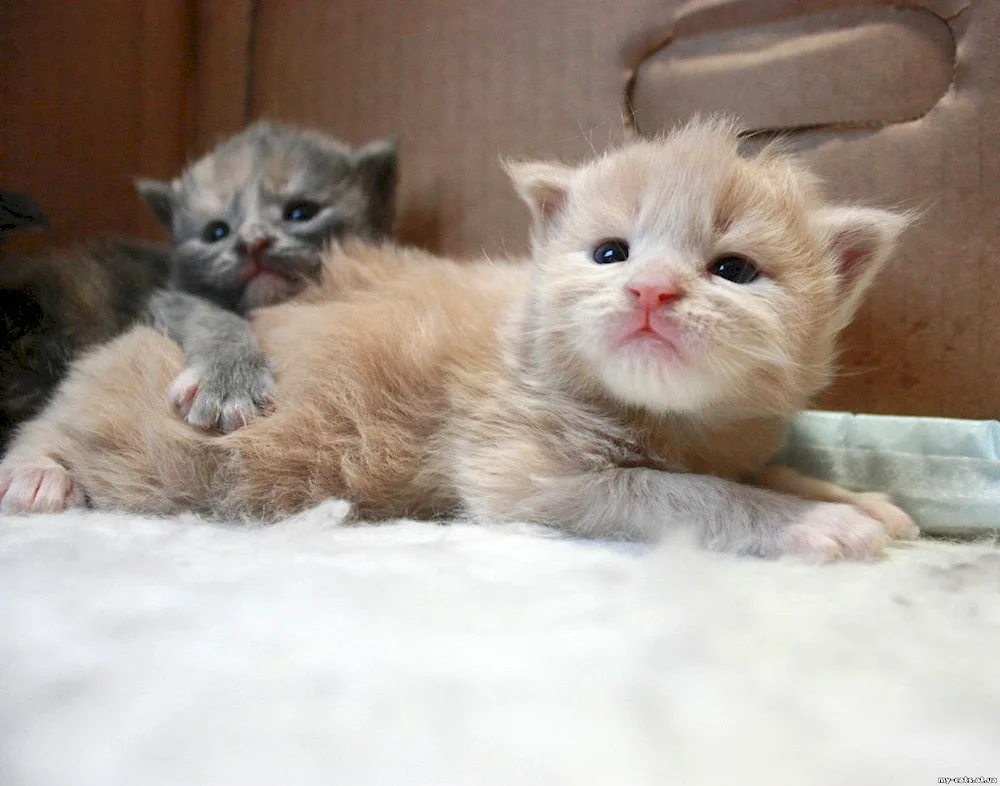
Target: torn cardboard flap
column 859, row 66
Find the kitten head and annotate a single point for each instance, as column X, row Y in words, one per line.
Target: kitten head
column 249, row 220
column 677, row 276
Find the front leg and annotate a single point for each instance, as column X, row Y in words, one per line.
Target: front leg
column 227, row 380
column 647, row 504
column 897, row 523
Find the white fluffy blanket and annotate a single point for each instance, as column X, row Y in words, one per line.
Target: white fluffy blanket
column 137, row 652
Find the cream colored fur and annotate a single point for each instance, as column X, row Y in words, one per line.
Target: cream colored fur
column 418, row 386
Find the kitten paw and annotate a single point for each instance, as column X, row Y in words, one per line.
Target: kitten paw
column 831, row 531
column 217, row 401
column 41, row 486
column 896, row 522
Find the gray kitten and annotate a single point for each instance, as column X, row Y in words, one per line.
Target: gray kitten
column 247, row 223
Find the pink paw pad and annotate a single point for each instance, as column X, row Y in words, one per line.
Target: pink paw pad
column 184, row 388
column 38, row 487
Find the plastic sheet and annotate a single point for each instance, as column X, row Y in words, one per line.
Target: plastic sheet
column 945, row 473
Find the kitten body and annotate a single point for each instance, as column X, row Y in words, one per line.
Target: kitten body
column 561, row 391
column 247, row 224
column 54, row 306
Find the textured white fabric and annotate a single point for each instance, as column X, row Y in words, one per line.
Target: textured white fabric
column 137, row 652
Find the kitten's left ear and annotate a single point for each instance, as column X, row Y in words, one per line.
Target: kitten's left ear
column 161, row 199
column 860, row 240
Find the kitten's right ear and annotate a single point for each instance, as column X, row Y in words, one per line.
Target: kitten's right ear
column 377, row 163
column 543, row 187
column 160, row 197
column 376, row 166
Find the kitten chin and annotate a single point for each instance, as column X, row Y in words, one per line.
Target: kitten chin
column 267, row 289
column 417, row 386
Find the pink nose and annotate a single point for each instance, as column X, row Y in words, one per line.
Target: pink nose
column 258, row 244
column 650, row 297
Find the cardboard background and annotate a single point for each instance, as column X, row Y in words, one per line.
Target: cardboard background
column 893, row 102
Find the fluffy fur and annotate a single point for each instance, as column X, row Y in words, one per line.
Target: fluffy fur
column 137, row 651
column 53, row 306
column 539, row 391
column 248, row 222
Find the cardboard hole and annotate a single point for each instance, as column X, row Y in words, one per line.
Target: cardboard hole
column 856, row 66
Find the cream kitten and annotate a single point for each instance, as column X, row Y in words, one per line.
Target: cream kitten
column 681, row 304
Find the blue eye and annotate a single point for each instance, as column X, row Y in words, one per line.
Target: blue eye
column 610, row 251
column 739, row 270
column 301, row 210
column 215, row 232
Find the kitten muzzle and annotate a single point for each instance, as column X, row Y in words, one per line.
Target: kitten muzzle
column 256, row 252
column 652, row 329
